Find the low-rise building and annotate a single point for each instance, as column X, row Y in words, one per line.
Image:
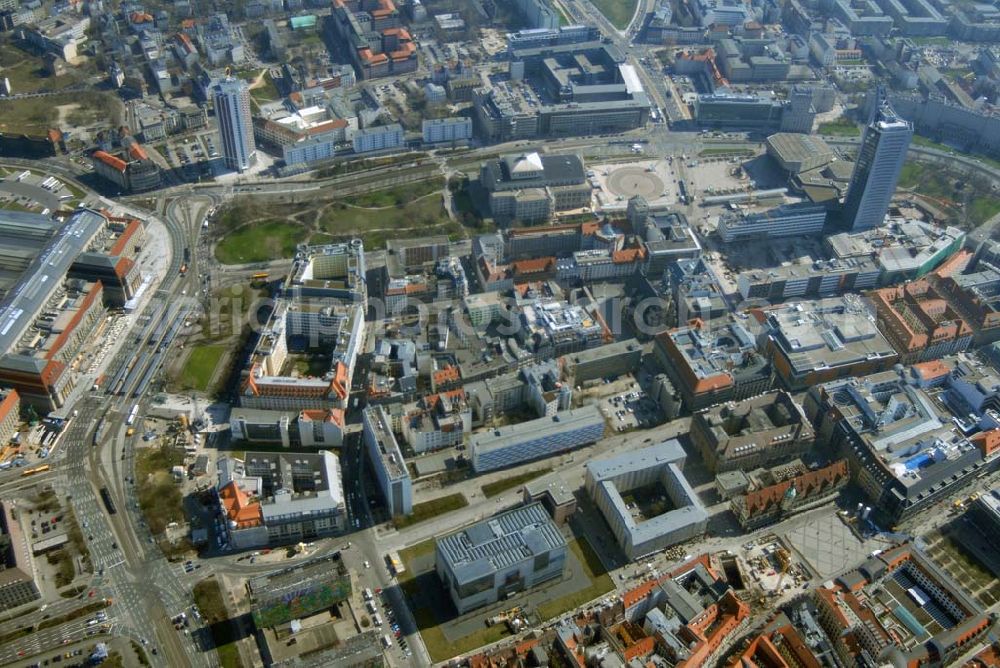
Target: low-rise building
column 645, row 498
column 763, row 430
column 777, row 494
column 506, row 446
column 554, row 493
column 500, row 556
column 298, row 591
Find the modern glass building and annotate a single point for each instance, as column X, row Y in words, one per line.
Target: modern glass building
column 876, row 171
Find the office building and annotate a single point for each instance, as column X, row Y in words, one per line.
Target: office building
column 231, row 98
column 511, row 445
column 268, row 382
column 761, row 431
column 779, row 493
column 378, row 138
column 712, row 363
column 607, row 361
column 437, row 130
column 879, row 162
column 387, row 461
column 915, row 18
column 276, row 499
column 552, row 328
column 919, row 323
column 912, row 437
column 667, row 239
column 17, row 570
column 663, row 509
column 807, row 276
column 530, row 187
column 307, row 428
column 500, row 556
column 787, row 220
column 590, row 88
column 330, row 272
column 817, row 341
column 533, row 38
column 763, row 112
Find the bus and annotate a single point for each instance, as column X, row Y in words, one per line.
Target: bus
column 38, row 469
column 132, row 415
column 259, row 277
column 108, row 503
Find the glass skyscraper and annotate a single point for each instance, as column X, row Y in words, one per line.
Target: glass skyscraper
column 232, row 109
column 876, row 171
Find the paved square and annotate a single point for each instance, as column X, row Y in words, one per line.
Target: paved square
column 829, row 545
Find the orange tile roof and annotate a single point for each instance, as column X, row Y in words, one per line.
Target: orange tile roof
column 449, row 373
column 110, row 160
column 239, row 506
column 533, row 266
column 931, row 370
column 628, row 255
column 955, row 263
column 121, row 242
column 138, row 152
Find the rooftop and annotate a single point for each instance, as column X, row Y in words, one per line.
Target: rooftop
column 826, row 333
column 503, row 437
column 499, row 542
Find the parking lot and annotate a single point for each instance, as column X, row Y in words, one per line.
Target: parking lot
column 630, row 410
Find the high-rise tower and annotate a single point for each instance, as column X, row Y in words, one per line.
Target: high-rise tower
column 876, row 170
column 232, row 108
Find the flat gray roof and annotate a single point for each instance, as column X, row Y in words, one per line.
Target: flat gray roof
column 503, row 437
column 499, row 542
column 662, row 457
